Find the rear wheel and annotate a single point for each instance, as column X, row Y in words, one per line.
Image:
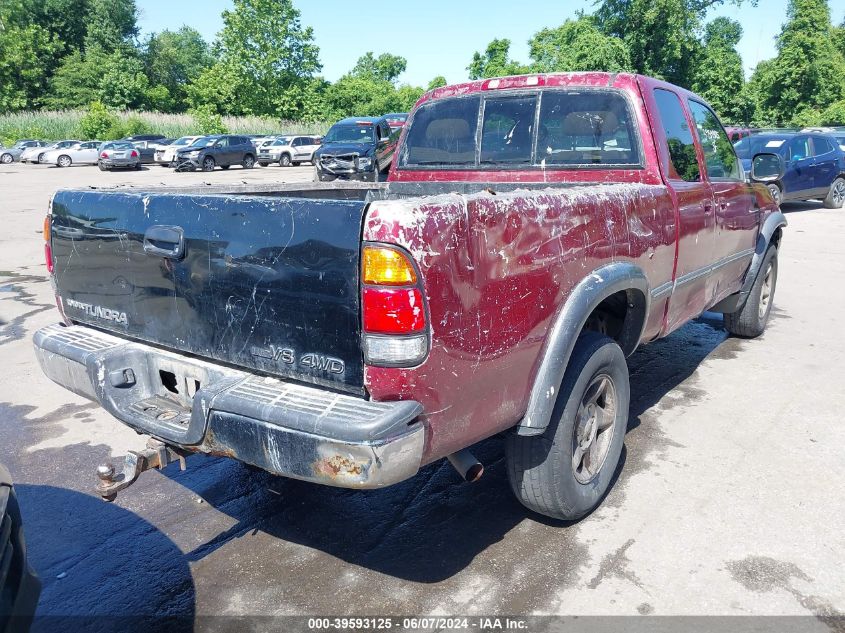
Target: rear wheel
column 208, row 163
column 101, row 166
column 248, row 162
column 777, row 194
column 565, row 472
column 138, row 166
column 836, row 196
column 6, row 159
column 750, row 320
column 64, row 161
column 284, row 160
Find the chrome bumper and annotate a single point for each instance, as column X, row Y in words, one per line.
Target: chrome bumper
column 286, row 428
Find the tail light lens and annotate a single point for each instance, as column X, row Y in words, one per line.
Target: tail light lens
column 48, row 249
column 104, row 155
column 134, row 154
column 392, row 308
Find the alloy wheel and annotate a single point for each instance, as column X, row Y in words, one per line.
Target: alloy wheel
column 593, row 431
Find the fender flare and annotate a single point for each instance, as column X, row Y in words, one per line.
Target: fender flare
column 771, row 225
column 584, row 298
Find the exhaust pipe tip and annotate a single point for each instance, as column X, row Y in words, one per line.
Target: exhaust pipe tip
column 468, row 467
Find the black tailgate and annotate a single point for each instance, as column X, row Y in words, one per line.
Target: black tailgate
column 268, row 283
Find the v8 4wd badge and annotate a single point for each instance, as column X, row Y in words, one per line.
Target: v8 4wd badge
column 310, row 360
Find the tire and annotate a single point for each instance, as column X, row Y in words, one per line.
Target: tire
column 248, row 162
column 777, row 194
column 263, row 163
column 208, row 164
column 38, row 158
column 542, row 468
column 750, row 320
column 7, row 158
column 296, row 163
column 137, row 166
column 101, row 166
column 836, row 196
column 64, row 161
column 284, row 160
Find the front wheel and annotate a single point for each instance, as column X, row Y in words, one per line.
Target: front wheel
column 284, row 160
column 6, row 159
column 777, row 194
column 750, row 320
column 64, row 161
column 836, row 196
column 208, row 163
column 565, row 472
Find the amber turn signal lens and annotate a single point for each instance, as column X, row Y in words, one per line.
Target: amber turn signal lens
column 387, row 267
column 47, row 228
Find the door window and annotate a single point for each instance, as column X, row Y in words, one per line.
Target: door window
column 719, row 157
column 799, row 148
column 223, row 142
column 678, row 137
column 821, row 146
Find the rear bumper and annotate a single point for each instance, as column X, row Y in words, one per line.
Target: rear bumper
column 119, row 163
column 285, row 428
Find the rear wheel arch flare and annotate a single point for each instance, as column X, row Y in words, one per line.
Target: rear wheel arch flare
column 611, row 282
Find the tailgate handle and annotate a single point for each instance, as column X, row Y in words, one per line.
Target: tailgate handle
column 167, row 241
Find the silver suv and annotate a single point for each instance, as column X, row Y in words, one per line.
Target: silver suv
column 288, row 150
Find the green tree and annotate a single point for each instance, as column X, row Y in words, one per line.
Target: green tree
column 578, row 45
column 26, row 56
column 172, row 60
column 111, row 25
column 123, row 83
column 208, row 120
column 661, row 35
column 718, row 75
column 77, row 80
column 494, row 62
column 99, row 122
column 385, row 67
column 264, row 44
column 221, row 88
column 437, row 82
column 805, row 77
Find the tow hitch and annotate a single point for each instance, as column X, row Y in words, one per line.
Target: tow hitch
column 156, row 455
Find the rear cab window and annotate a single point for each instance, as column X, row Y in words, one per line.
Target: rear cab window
column 560, row 128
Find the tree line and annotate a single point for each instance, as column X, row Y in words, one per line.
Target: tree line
column 68, row 53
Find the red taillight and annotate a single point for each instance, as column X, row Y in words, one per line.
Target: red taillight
column 393, row 311
column 48, row 258
column 104, row 155
column 134, row 154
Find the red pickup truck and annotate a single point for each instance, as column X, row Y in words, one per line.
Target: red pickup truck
column 535, row 230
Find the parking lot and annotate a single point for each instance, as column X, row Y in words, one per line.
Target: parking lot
column 729, row 502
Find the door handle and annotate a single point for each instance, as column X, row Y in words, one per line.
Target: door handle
column 708, row 206
column 165, row 241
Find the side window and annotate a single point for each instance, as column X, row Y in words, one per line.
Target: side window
column 719, row 156
column 223, row 142
column 798, row 148
column 678, row 136
column 507, row 128
column 821, row 145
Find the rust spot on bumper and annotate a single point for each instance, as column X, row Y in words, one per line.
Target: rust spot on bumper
column 338, row 466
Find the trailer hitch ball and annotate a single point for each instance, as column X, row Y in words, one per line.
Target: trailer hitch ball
column 156, row 455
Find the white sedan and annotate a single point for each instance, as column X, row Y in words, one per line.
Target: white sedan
column 166, row 154
column 84, row 153
column 34, row 154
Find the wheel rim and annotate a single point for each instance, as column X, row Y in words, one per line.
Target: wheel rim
column 285, row 160
column 839, row 193
column 208, row 163
column 248, row 163
column 64, row 161
column 6, row 158
column 766, row 292
column 594, row 428
column 775, row 193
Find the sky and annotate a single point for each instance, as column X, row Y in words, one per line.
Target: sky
column 438, row 37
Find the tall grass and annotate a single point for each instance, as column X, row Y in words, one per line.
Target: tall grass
column 63, row 124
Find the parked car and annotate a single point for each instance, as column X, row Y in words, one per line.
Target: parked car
column 165, row 156
column 288, row 150
column 83, row 153
column 19, row 585
column 737, row 133
column 258, row 141
column 119, row 155
column 356, row 149
column 35, row 153
column 223, row 150
column 533, row 232
column 396, row 119
column 814, row 165
column 143, row 137
column 12, row 154
column 148, row 149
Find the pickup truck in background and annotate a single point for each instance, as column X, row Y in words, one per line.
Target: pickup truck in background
column 359, row 148
column 534, row 232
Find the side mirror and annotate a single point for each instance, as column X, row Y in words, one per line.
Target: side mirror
column 767, row 167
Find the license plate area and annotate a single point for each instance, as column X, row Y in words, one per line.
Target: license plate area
column 162, row 412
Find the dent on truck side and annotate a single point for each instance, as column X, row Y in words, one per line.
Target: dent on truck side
column 498, row 273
